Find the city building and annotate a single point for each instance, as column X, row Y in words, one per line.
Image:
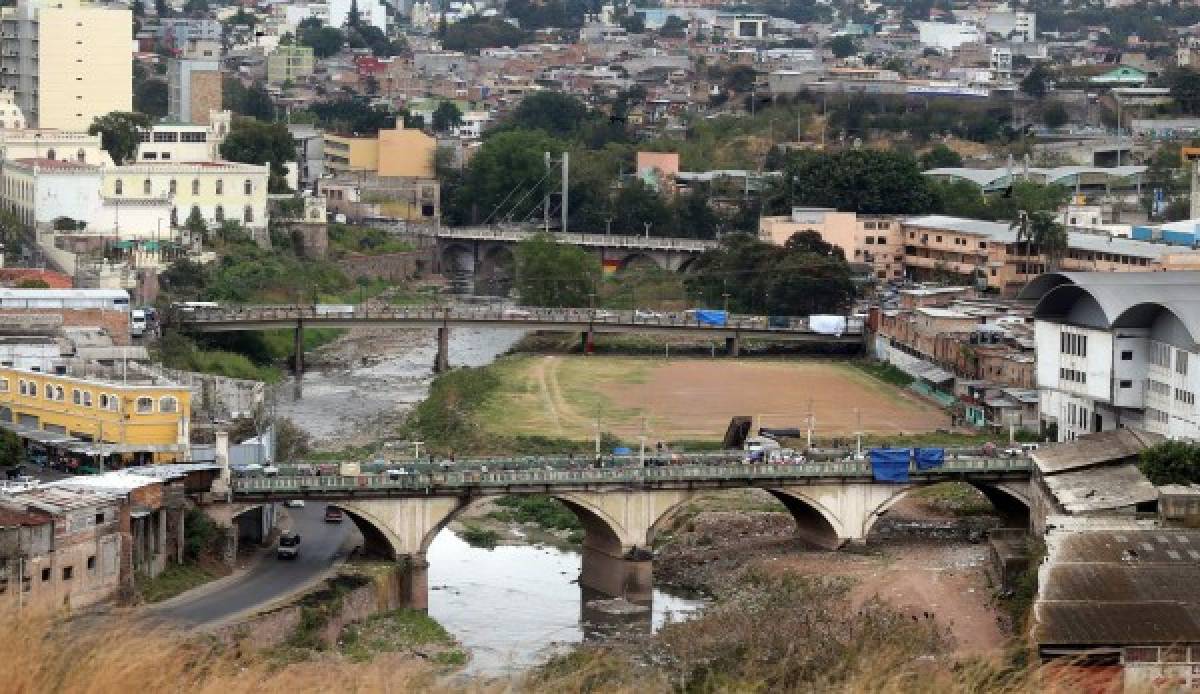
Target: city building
column 133, row 420
column 194, row 83
column 946, row 36
column 185, row 142
column 59, row 548
column 58, row 145
column 42, row 311
column 289, row 63
column 371, row 12
column 399, row 152
column 871, row 240
column 68, row 62
column 1118, row 350
column 218, row 190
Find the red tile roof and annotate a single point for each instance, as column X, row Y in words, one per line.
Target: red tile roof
column 12, row 276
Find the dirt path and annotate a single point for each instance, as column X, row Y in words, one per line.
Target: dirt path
column 547, row 399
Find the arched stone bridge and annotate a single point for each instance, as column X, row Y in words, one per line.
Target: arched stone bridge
column 622, row 509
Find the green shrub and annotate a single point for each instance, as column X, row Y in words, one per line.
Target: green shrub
column 480, row 537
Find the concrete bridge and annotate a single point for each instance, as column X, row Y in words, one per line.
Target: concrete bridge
column 586, row 322
column 622, row 509
column 486, row 253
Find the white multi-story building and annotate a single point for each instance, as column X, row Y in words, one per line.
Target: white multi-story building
column 175, row 142
column 1118, row 349
column 946, row 36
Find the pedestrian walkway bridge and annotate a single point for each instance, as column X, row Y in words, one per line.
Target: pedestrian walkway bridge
column 622, row 508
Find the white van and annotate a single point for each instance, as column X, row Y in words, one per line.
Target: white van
column 137, row 322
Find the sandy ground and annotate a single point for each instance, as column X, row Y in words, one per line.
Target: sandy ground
column 691, row 398
column 926, row 578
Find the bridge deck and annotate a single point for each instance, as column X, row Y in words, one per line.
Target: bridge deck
column 647, row 243
column 455, row 483
column 239, row 318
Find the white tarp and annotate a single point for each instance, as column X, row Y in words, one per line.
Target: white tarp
column 827, row 325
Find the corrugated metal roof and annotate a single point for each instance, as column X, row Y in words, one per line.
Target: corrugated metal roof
column 1120, row 586
column 1093, row 449
column 1100, row 489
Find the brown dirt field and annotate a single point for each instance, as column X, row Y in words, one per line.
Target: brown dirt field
column 695, row 398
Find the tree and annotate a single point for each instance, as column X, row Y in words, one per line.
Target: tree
column 505, row 179
column 1044, row 233
column 1171, row 462
column 195, row 223
column 353, row 115
column 325, row 41
column 139, row 8
column 11, row 452
column 1185, row 89
column 33, row 283
column 637, row 204
column 1055, row 115
column 150, row 98
column 446, row 117
column 252, row 142
column 472, row 34
column 161, row 8
column 858, row 180
column 253, row 101
column 940, row 157
column 1035, row 83
column 120, row 133
column 673, row 28
column 842, row 46
column 555, row 274
column 558, row 114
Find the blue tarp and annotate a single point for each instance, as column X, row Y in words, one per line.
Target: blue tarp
column 889, row 464
column 708, row 317
column 929, row 458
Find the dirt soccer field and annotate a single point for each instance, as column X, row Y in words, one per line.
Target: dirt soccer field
column 695, row 398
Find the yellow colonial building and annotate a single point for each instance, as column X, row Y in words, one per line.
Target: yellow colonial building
column 219, row 190
column 133, row 421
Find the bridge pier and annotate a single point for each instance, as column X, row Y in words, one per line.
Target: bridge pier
column 441, row 361
column 627, row 577
column 414, row 582
column 587, row 342
column 733, row 346
column 298, row 349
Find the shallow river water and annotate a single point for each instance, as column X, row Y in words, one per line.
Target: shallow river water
column 515, row 605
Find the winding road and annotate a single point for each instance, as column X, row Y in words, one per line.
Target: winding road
column 267, row 580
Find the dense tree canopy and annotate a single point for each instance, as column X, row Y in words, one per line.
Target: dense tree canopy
column 803, row 277
column 254, row 142
column 150, row 97
column 253, row 101
column 555, row 274
column 939, row 157
column 558, row 114
column 858, row 180
column 472, row 34
column 352, row 115
column 325, row 41
column 506, row 179
column 446, row 117
column 1171, row 462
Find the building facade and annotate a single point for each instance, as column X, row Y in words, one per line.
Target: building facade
column 67, row 62
column 1117, row 350
column 871, row 240
column 193, row 89
column 289, row 63
column 395, row 153
column 218, row 191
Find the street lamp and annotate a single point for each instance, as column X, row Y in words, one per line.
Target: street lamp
column 647, row 229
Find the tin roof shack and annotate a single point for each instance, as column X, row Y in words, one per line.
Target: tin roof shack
column 1121, row 594
column 23, row 534
column 1095, row 475
column 151, row 512
column 82, row 563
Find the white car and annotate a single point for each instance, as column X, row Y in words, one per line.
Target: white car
column 294, row 503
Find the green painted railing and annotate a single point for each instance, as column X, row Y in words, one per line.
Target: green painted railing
column 432, row 482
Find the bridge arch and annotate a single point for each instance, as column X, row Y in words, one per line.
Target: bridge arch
column 687, row 265
column 815, row 522
column 638, row 259
column 494, row 271
column 1012, row 502
column 378, row 540
column 457, row 258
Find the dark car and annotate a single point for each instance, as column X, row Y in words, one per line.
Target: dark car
column 289, row 546
column 333, row 514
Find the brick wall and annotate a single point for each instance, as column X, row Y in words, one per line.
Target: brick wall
column 388, row 266
column 206, row 95
column 114, row 323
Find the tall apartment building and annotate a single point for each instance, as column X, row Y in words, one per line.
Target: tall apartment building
column 194, row 82
column 67, row 62
column 1118, row 350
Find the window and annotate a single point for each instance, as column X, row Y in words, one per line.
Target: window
column 146, row 187
column 248, row 214
column 81, row 156
column 1160, row 355
column 195, row 186
column 174, row 215
column 3, row 385
column 45, row 574
column 87, row 398
column 1127, row 355
column 1181, row 362
column 99, row 519
column 168, row 404
column 32, row 389
column 119, row 187
column 165, row 137
column 1073, row 344
column 149, row 155
column 1126, row 384
column 68, row 571
column 219, row 214
column 113, row 403
column 91, row 563
column 248, row 187
column 24, row 387
column 172, row 187
column 145, row 405
column 76, row 396
column 59, row 393
column 193, row 136
column 220, row 187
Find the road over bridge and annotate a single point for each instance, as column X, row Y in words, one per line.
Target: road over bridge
column 486, row 253
column 623, row 508
column 587, row 322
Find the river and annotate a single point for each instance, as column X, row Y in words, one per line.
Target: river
column 511, row 606
column 515, row 605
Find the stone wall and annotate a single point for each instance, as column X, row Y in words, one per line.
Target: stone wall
column 394, row 267
column 114, row 323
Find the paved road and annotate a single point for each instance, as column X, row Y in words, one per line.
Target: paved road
column 270, row 578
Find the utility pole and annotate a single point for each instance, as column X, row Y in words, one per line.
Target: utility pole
column 565, row 176
column 810, row 423
column 546, row 197
column 858, row 446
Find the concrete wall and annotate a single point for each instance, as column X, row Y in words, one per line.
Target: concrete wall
column 388, row 266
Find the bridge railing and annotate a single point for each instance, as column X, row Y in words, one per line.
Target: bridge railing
column 478, row 478
column 607, row 240
column 232, row 313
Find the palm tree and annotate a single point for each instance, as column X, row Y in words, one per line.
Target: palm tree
column 1042, row 231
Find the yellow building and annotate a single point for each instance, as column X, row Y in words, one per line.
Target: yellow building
column 396, row 153
column 68, row 62
column 220, row 191
column 138, row 421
